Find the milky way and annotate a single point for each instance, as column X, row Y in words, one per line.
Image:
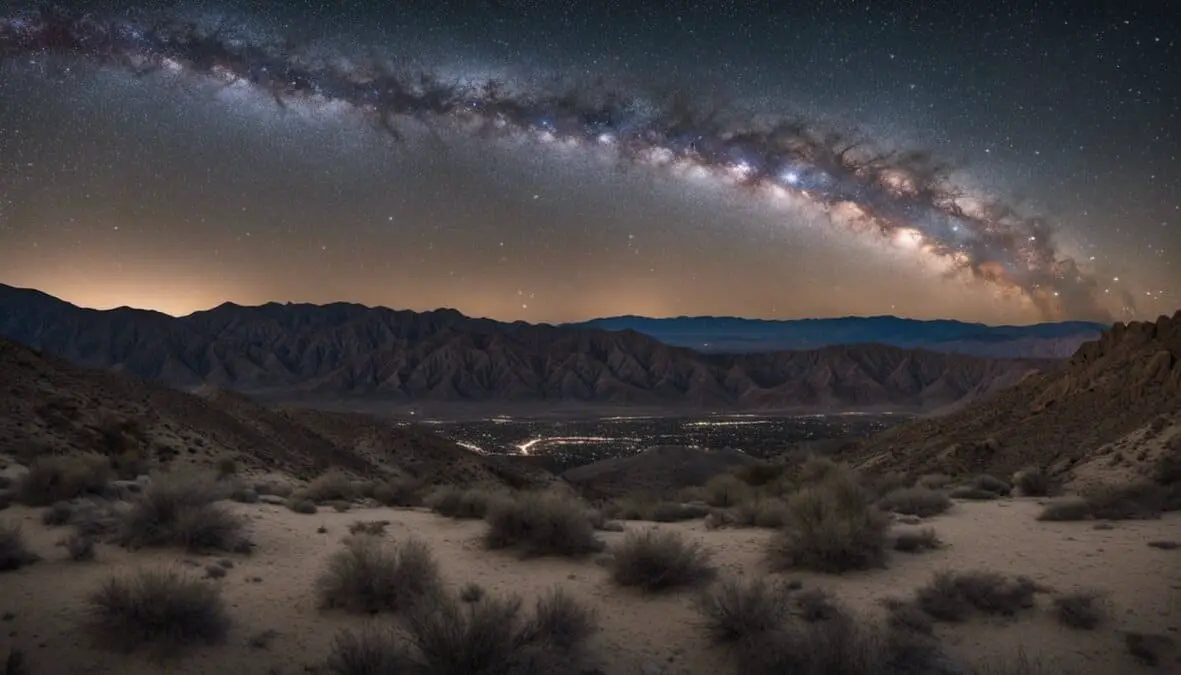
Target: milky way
column 903, row 197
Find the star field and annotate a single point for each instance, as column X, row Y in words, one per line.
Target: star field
column 555, row 162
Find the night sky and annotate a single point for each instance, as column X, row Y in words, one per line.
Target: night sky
column 1006, row 162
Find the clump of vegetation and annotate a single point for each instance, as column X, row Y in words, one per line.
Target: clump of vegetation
column 371, row 575
column 491, row 636
column 453, row 502
column 817, row 469
column 226, row 467
column 399, row 492
column 472, row 592
column 57, row 514
column 14, row 552
column 1083, row 610
column 738, row 609
column 275, row 488
column 305, row 506
column 915, row 501
column 1132, row 501
column 973, row 493
column 991, row 484
column 1034, row 481
column 952, row 596
column 657, row 560
column 934, row 481
column 371, row 527
column 726, row 490
column 1148, row 648
column 1066, row 509
column 541, row 524
column 58, row 478
column 831, row 526
column 163, row 608
column 80, row 547
column 334, row 485
column 917, row 541
column 181, row 511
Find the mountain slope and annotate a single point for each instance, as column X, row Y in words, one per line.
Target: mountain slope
column 346, row 351
column 737, row 335
column 50, row 406
column 1106, row 396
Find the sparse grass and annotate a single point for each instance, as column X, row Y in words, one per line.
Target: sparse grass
column 161, row 608
column 541, row 524
column 832, row 527
column 1034, row 481
column 14, row 552
column 330, row 486
column 917, row 541
column 973, row 493
column 952, row 596
column 79, row 547
column 181, row 511
column 370, row 575
column 60, row 478
column 737, row 609
column 657, row 560
column 374, row 528
column 1066, row 509
column 472, row 592
column 491, row 637
column 915, row 501
column 453, row 502
column 1083, row 610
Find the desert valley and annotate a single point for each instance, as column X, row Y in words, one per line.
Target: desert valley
column 158, row 519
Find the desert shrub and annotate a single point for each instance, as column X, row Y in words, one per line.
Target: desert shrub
column 991, row 483
column 673, row 512
column 1148, row 648
column 399, row 492
column 758, row 475
column 541, row 524
column 815, row 604
column 1083, row 610
column 657, row 560
column 934, row 481
column 831, row 527
column 181, row 511
column 163, row 608
column 371, row 527
column 737, row 609
column 305, row 506
column 973, row 493
column 226, row 467
column 907, row 615
column 14, row 552
column 726, row 490
column 818, row 469
column 57, row 514
column 1066, row 508
column 454, row 502
column 331, row 485
column 1132, row 501
column 79, row 547
column 492, row 637
column 15, row 663
column 371, row 575
column 917, row 541
column 276, row 488
column 1166, row 469
column 61, row 478
column 243, row 494
column 880, row 485
column 952, row 596
column 915, row 501
column 472, row 592
column 1034, row 481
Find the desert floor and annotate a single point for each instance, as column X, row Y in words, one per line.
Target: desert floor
column 273, row 589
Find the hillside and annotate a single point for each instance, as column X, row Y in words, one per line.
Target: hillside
column 1117, row 401
column 343, row 352
column 721, row 334
column 48, row 406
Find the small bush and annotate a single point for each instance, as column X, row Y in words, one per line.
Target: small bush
column 158, row 607
column 832, row 527
column 541, row 524
column 1083, row 610
column 739, row 609
column 815, row 604
column 973, row 493
column 1066, row 509
column 656, row 560
column 674, row 512
column 226, row 467
column 726, row 490
column 454, row 502
column 79, row 547
column 1148, row 648
column 335, row 485
column 61, row 478
column 180, row 511
column 952, row 596
column 907, row 615
column 472, row 592
column 1034, row 481
column 817, row 469
column 14, row 553
column 375, row 528
column 1133, row 501
column 917, row 541
column 758, row 475
column 934, row 481
column 58, row 514
column 991, row 484
column 243, row 494
column 305, row 506
column 369, row 575
column 915, row 501
column 399, row 492
column 275, row 488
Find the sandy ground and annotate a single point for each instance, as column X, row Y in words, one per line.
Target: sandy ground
column 273, row 589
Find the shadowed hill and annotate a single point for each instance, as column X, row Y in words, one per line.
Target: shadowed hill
column 1108, row 393
column 344, row 352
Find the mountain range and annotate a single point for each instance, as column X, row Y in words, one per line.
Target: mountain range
column 353, row 353
column 721, row 334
